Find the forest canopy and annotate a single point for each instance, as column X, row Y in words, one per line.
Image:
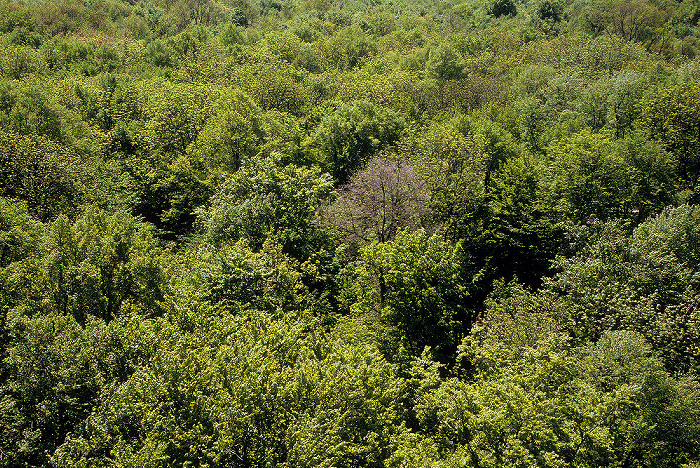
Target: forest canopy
column 349, row 233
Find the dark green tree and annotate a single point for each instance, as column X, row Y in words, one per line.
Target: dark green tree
column 670, row 115
column 267, row 199
column 645, row 281
column 347, row 137
column 413, row 283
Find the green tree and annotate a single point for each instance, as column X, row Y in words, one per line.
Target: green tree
column 454, row 166
column 98, row 266
column 53, row 373
column 266, row 199
column 517, row 239
column 549, row 405
column 235, row 276
column 586, row 179
column 348, row 48
column 20, row 239
column 173, row 115
column 48, row 176
column 644, row 281
column 19, row 232
column 635, row 20
column 413, row 282
column 670, row 115
column 245, row 390
column 653, row 175
column 347, row 137
column 444, row 63
column 167, row 183
column 27, row 110
column 503, row 8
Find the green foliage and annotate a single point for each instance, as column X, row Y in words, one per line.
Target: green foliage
column 670, row 115
column 160, row 54
column 14, row 16
column 551, row 11
column 517, row 240
column 279, row 88
column 86, row 58
column 27, row 110
column 265, row 199
column 413, row 282
column 231, row 35
column 348, row 136
column 110, row 105
column 253, row 392
column 653, row 175
column 612, row 102
column 239, row 278
column 587, row 180
column 551, row 406
column 454, row 163
column 174, row 114
column 503, row 8
column 516, row 319
column 44, row 174
column 21, row 61
column 182, row 187
column 545, row 106
column 348, row 48
column 632, row 20
column 96, row 267
column 644, row 282
column 19, row 232
column 53, row 373
column 514, row 132
column 187, row 139
column 234, row 133
column 445, row 63
column 658, row 407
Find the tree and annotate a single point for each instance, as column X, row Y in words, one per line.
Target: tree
column 348, row 136
column 278, row 87
column 550, row 11
column 173, row 116
column 378, row 201
column 586, row 179
column 413, row 282
column 29, row 110
column 19, row 232
column 266, row 199
column 454, row 167
column 241, row 391
column 46, row 175
column 645, row 281
column 348, row 48
column 236, row 277
column 54, row 371
column 503, row 8
column 517, row 239
column 653, row 175
column 549, row 405
column 98, row 266
column 634, row 20
column 444, row 64
column 671, row 115
column 20, row 239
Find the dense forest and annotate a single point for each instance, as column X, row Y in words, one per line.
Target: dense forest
column 350, row 233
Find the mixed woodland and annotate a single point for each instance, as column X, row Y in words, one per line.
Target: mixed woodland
column 350, row 233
